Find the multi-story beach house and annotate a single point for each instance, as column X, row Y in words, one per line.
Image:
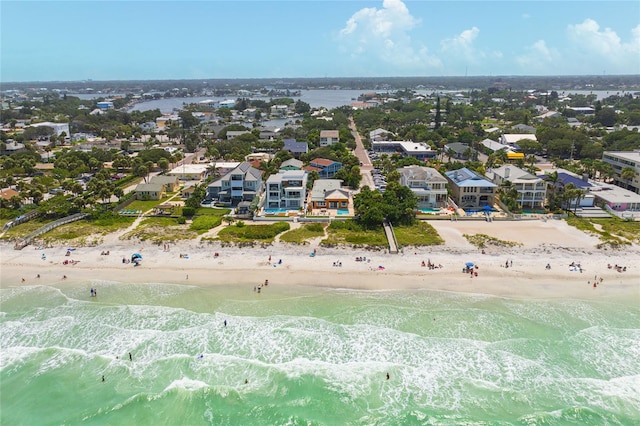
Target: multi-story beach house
column 286, row 189
column 428, row 185
column 470, row 190
column 326, row 168
column 243, row 183
column 532, row 190
column 329, row 137
column 620, row 160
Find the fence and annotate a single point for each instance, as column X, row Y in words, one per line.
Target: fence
column 21, row 219
column 631, row 215
column 48, row 227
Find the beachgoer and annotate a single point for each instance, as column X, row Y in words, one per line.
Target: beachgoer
column 595, row 284
column 64, row 277
column 511, row 263
column 130, row 357
column 187, row 276
column 23, row 280
column 38, row 276
column 225, row 323
column 388, row 376
column 103, row 378
column 246, row 381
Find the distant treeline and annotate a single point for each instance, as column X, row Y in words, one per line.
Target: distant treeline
column 586, row 82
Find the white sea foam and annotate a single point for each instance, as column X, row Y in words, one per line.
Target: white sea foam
column 187, row 384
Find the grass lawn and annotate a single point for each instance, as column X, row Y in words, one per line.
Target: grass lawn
column 304, row 233
column 144, row 205
column 202, row 224
column 350, row 233
column 159, row 229
column 207, row 211
column 420, row 234
column 241, row 233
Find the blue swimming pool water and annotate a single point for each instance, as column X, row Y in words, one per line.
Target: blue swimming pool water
column 275, row 211
column 342, row 211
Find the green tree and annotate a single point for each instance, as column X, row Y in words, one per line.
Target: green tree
column 627, row 173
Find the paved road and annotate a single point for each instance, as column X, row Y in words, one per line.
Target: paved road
column 363, row 156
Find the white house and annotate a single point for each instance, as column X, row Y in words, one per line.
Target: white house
column 286, row 189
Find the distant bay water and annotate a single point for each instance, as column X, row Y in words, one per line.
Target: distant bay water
column 315, row 98
column 297, row 355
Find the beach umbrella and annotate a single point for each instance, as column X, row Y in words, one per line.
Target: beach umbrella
column 136, row 256
column 469, row 264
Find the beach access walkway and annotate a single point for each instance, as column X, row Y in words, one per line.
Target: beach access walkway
column 391, row 237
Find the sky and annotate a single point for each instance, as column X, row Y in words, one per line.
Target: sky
column 151, row 40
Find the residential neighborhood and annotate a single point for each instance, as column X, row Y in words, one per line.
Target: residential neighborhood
column 460, row 161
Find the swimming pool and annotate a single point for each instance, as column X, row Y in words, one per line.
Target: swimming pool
column 275, row 211
column 343, row 211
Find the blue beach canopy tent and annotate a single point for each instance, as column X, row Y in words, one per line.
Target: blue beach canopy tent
column 136, row 257
column 469, row 264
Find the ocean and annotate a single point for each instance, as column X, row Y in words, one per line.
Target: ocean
column 312, row 356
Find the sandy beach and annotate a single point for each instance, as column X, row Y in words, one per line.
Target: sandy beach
column 194, row 263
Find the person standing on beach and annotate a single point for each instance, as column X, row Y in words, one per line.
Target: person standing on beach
column 130, row 357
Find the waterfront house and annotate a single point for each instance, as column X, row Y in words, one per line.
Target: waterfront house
column 532, row 190
column 286, row 189
column 243, row 183
column 427, row 184
column 150, row 191
column 329, row 194
column 469, row 189
column 169, row 183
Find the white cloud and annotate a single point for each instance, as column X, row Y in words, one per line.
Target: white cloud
column 383, row 35
column 604, row 48
column 460, row 53
column 538, row 58
column 462, row 45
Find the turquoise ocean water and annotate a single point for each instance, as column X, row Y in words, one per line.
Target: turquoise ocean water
column 312, row 356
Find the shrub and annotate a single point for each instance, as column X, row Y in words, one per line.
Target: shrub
column 181, row 220
column 188, row 211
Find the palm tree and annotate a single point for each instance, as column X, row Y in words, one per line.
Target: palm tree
column 552, row 186
column 627, row 174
